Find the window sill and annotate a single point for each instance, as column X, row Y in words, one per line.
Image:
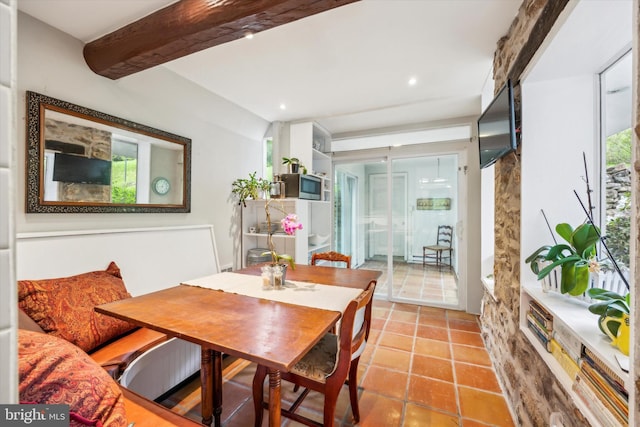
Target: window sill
column 578, row 327
column 489, row 285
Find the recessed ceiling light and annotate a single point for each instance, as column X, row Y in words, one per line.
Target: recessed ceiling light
column 283, row 107
column 248, row 36
column 413, row 81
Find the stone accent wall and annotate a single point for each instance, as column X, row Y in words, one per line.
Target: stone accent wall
column 635, row 221
column 96, row 144
column 531, row 388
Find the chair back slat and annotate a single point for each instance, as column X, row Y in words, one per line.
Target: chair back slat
column 331, row 256
column 351, row 339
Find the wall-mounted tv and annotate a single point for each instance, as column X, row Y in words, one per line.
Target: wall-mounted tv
column 496, row 127
column 70, row 168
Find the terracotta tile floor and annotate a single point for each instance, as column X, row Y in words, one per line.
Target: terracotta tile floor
column 413, row 281
column 422, row 367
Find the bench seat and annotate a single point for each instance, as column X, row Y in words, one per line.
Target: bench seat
column 146, row 413
column 117, row 354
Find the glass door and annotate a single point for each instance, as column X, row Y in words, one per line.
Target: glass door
column 387, row 211
column 346, row 202
column 424, row 201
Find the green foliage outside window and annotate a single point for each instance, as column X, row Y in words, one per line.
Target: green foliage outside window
column 123, row 180
column 618, row 228
column 619, row 148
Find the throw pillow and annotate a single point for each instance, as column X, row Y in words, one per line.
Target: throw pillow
column 63, row 307
column 53, row 371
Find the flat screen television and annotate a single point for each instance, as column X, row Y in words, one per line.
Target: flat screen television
column 496, row 128
column 70, row 168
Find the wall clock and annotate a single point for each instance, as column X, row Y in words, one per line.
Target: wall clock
column 161, row 186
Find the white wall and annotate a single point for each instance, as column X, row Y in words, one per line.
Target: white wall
column 8, row 308
column 553, row 140
column 226, row 139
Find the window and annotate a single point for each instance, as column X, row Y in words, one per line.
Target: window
column 267, row 149
column 615, row 193
column 124, row 169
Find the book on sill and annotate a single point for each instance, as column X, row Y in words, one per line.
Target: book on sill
column 597, row 408
column 564, row 359
column 613, row 400
column 533, row 319
column 542, row 337
column 603, row 369
column 541, row 314
column 569, row 341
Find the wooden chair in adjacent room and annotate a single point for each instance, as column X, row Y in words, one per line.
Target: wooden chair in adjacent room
column 331, row 256
column 326, row 366
column 442, row 249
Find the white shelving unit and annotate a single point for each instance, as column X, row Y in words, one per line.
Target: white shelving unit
column 315, row 219
column 574, row 316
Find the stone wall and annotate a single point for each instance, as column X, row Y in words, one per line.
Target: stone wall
column 93, row 143
column 531, row 388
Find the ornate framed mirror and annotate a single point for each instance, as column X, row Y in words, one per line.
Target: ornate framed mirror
column 83, row 161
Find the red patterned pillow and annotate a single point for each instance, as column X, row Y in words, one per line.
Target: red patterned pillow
column 53, row 371
column 64, row 307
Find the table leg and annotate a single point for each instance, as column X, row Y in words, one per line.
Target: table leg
column 206, row 379
column 211, row 392
column 217, row 387
column 274, row 398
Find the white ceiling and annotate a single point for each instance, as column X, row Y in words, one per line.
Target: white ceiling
column 347, row 68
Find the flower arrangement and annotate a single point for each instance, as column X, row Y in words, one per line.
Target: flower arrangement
column 290, row 225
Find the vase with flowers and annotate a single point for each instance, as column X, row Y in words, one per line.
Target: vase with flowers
column 290, row 224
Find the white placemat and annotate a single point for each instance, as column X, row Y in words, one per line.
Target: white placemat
column 314, row 295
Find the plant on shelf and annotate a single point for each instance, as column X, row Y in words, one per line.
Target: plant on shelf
column 294, row 165
column 249, row 188
column 614, row 311
column 576, row 258
column 290, row 225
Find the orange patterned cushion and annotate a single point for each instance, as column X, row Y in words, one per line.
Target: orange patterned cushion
column 53, row 371
column 64, row 307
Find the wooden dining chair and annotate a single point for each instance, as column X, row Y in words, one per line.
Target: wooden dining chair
column 331, row 256
column 442, row 249
column 327, row 365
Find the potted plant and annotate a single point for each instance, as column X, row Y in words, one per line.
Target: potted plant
column 614, row 310
column 294, row 165
column 249, row 188
column 576, row 258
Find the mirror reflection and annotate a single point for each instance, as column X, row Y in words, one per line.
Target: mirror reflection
column 93, row 162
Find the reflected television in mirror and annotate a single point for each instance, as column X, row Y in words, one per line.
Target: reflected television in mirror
column 80, row 169
column 82, row 160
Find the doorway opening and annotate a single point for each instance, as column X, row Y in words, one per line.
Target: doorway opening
column 387, row 209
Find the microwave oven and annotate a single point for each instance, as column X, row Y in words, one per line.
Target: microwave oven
column 302, row 186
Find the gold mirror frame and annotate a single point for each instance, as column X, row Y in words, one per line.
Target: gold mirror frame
column 38, row 105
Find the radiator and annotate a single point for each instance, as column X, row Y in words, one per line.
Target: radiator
column 161, row 368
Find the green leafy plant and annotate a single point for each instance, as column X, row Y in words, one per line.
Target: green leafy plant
column 249, row 188
column 610, row 304
column 292, row 162
column 576, row 258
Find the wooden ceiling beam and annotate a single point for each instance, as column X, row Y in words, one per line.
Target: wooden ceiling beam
column 190, row 26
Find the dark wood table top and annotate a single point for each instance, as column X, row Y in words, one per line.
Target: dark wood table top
column 274, row 334
column 347, row 277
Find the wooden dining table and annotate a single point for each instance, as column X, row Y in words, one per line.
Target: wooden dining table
column 271, row 333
